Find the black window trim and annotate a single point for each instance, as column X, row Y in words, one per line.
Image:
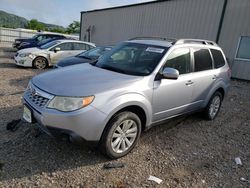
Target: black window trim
column 192, row 54
column 237, row 49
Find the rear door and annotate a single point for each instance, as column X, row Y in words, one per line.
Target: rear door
column 204, row 75
column 173, row 97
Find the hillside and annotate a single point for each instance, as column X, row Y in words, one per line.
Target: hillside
column 14, row 21
column 11, row 20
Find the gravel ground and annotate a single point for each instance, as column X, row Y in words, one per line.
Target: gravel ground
column 185, row 152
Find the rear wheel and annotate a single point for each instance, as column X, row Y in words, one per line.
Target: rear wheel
column 121, row 135
column 40, row 63
column 213, row 106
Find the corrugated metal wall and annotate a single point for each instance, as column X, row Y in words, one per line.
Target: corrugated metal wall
column 236, row 23
column 175, row 18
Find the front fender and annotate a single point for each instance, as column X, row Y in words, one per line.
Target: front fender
column 45, row 55
column 125, row 100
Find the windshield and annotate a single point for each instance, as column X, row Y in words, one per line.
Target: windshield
column 49, row 44
column 132, row 58
column 44, row 42
column 35, row 36
column 94, row 53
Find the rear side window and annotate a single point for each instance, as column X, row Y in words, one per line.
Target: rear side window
column 65, row 46
column 202, row 60
column 81, row 46
column 218, row 58
column 179, row 59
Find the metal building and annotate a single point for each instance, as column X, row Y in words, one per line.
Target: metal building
column 225, row 21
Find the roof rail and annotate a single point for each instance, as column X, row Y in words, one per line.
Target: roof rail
column 200, row 41
column 173, row 40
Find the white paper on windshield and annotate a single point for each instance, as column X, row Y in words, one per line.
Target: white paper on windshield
column 156, row 50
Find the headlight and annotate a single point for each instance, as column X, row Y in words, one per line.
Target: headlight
column 67, row 104
column 24, row 54
column 27, row 55
column 24, row 43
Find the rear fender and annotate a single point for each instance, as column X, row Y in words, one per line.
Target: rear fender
column 219, row 84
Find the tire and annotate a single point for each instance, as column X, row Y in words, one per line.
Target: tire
column 213, row 107
column 121, row 135
column 40, row 63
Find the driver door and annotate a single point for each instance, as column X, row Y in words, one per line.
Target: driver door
column 173, row 97
column 65, row 51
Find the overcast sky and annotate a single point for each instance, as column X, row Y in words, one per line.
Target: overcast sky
column 60, row 12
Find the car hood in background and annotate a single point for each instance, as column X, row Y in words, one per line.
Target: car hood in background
column 72, row 61
column 29, row 50
column 81, row 80
column 25, row 40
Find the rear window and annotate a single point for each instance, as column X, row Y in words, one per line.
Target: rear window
column 202, row 60
column 218, row 58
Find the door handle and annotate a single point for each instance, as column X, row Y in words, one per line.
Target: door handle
column 189, row 82
column 214, row 77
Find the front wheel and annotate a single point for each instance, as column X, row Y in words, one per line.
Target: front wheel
column 213, row 106
column 121, row 135
column 40, row 63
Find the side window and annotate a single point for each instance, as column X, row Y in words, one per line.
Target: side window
column 202, row 60
column 218, row 58
column 179, row 59
column 80, row 46
column 64, row 46
column 40, row 38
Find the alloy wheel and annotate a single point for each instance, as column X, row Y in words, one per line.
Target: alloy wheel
column 214, row 106
column 124, row 136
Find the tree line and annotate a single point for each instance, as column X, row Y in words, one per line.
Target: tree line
column 72, row 28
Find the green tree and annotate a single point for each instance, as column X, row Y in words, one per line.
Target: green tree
column 35, row 25
column 57, row 30
column 74, row 27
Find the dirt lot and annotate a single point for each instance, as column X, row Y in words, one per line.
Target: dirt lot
column 186, row 152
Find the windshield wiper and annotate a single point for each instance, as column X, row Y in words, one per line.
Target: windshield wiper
column 86, row 57
column 112, row 69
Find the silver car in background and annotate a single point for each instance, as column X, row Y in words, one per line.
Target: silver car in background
column 138, row 84
column 50, row 53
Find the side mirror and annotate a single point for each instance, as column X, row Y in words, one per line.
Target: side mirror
column 170, row 73
column 57, row 49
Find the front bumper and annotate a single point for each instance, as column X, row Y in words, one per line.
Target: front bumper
column 88, row 122
column 23, row 61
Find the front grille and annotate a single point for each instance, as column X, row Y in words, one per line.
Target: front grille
column 37, row 99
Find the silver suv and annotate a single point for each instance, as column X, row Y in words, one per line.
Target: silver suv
column 136, row 85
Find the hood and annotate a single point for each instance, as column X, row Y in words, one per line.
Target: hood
column 30, row 45
column 28, row 50
column 25, row 40
column 72, row 61
column 81, row 80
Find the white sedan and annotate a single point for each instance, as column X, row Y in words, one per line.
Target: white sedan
column 50, row 53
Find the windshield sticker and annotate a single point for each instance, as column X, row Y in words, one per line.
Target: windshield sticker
column 156, row 50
